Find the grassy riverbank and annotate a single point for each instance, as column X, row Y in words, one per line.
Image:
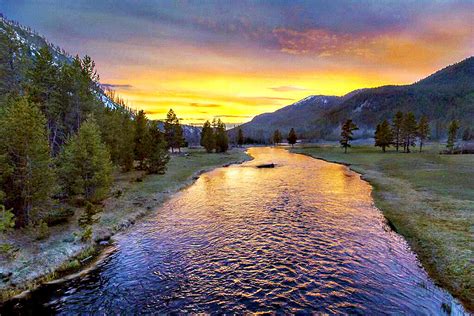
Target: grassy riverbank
column 133, row 195
column 429, row 199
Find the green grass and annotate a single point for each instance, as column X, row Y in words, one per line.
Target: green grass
column 429, row 199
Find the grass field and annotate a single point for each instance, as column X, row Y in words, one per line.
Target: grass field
column 429, row 199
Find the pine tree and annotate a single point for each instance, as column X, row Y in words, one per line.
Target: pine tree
column 383, row 135
column 127, row 143
column 159, row 156
column 346, row 134
column 292, row 137
column 452, row 134
column 240, row 137
column 397, row 128
column 141, row 139
column 409, row 131
column 277, row 138
column 84, row 165
column 423, row 130
column 207, row 137
column 222, row 140
column 43, row 89
column 173, row 131
column 11, row 65
column 26, row 177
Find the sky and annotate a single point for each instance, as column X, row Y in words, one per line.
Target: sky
column 237, row 59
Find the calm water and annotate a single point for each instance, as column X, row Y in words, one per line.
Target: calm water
column 302, row 237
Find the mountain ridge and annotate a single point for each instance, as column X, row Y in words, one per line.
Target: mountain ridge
column 444, row 95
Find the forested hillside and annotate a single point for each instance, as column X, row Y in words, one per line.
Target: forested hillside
column 446, row 95
column 61, row 133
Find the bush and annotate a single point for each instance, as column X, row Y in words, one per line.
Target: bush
column 89, row 217
column 7, row 219
column 86, row 234
column 42, row 230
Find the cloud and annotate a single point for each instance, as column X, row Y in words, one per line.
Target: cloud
column 204, row 105
column 289, row 88
column 116, row 86
column 233, row 116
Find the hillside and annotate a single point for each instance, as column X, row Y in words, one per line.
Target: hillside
column 300, row 115
column 14, row 36
column 445, row 95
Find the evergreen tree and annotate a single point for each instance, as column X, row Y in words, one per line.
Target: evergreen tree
column 118, row 133
column 397, row 129
column 383, row 135
column 84, row 165
column 26, row 177
column 423, row 130
column 173, row 131
column 292, row 137
column 43, row 89
column 452, row 134
column 222, row 140
column 277, row 138
column 141, row 139
column 127, row 143
column 159, row 156
column 12, row 65
column 240, row 137
column 346, row 134
column 409, row 131
column 207, row 137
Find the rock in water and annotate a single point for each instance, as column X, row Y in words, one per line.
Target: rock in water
column 268, row 165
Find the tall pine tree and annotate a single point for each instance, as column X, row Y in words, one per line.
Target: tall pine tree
column 292, row 138
column 397, row 129
column 208, row 140
column 409, row 131
column 346, row 134
column 141, row 139
column 383, row 135
column 26, row 177
column 158, row 157
column 173, row 131
column 277, row 138
column 423, row 130
column 84, row 165
column 240, row 137
column 222, row 140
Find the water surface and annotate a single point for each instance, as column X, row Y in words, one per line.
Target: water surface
column 302, row 237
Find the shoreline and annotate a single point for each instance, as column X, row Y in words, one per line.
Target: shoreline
column 89, row 255
column 379, row 195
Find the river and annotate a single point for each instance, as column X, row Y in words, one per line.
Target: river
column 302, row 237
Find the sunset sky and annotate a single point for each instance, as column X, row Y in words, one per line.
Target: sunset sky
column 237, row 59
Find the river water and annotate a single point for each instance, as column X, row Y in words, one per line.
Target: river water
column 302, row 237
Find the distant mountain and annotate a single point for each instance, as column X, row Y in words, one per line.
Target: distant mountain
column 300, row 115
column 445, row 95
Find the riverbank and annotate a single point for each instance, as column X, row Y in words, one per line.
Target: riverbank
column 133, row 195
column 429, row 199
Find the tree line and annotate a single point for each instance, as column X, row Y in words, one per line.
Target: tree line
column 276, row 138
column 403, row 133
column 59, row 141
column 214, row 136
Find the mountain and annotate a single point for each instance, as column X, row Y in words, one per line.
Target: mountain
column 300, row 115
column 445, row 95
